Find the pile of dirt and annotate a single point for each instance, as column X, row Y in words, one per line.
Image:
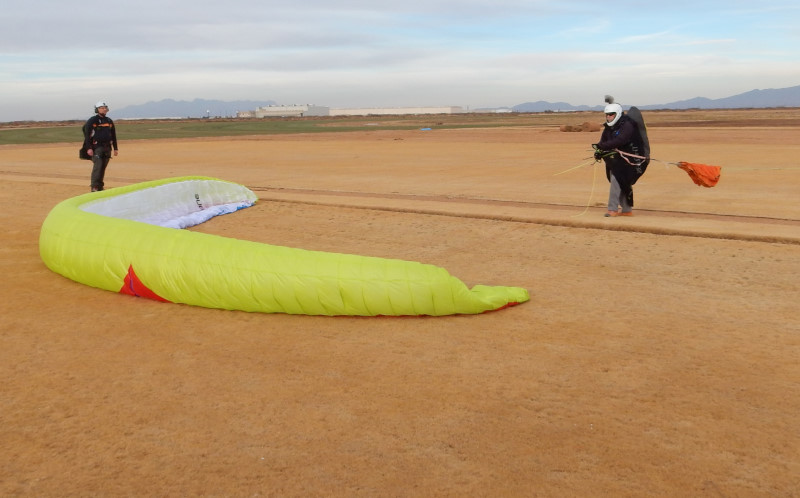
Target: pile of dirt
column 586, row 126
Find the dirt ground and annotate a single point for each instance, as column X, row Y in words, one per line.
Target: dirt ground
column 658, row 355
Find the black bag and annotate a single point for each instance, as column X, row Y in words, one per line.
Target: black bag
column 86, row 129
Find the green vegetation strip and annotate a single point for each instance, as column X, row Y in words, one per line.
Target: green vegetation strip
column 66, row 132
column 37, row 132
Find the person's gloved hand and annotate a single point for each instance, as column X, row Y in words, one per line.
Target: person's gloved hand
column 598, row 154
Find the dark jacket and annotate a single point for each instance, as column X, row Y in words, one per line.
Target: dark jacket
column 99, row 130
column 623, row 136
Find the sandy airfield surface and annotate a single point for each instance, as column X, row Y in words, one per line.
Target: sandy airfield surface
column 658, row 355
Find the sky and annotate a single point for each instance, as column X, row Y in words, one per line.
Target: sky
column 58, row 58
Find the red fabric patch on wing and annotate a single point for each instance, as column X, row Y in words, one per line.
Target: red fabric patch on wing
column 134, row 287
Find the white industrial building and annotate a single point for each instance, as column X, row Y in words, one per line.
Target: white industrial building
column 388, row 111
column 279, row 111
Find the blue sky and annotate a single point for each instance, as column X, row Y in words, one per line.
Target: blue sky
column 58, row 58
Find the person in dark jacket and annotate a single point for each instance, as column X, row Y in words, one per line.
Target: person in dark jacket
column 99, row 142
column 620, row 134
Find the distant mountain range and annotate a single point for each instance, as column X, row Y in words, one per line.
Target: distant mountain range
column 199, row 108
column 781, row 97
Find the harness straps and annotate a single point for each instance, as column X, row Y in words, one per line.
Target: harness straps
column 626, row 155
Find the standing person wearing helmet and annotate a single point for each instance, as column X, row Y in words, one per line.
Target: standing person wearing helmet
column 99, row 139
column 620, row 134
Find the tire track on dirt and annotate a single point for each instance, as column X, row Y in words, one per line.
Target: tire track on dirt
column 531, row 212
column 536, row 213
column 445, row 199
column 505, row 202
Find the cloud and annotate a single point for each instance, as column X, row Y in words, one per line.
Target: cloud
column 54, row 57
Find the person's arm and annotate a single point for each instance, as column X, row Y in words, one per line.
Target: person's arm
column 114, row 138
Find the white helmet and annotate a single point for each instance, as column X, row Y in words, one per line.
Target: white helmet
column 613, row 109
column 102, row 103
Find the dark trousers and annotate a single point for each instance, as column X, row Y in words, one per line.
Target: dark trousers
column 102, row 154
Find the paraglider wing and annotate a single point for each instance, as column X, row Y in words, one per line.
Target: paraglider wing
column 128, row 240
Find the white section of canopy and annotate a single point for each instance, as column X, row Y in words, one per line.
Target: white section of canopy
column 175, row 205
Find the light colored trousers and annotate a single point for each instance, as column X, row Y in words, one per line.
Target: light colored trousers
column 616, row 198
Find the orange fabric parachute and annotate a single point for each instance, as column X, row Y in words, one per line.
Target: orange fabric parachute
column 702, row 174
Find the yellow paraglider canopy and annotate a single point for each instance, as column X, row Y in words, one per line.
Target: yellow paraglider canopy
column 127, row 240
